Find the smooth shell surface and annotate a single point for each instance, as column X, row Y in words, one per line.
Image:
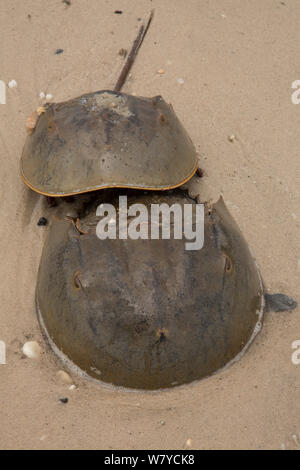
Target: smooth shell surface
column 107, row 139
column 148, row 314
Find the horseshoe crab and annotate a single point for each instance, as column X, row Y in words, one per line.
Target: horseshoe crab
column 107, row 139
column 147, row 313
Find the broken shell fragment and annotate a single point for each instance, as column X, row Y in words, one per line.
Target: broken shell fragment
column 64, row 377
column 188, row 444
column 41, row 110
column 31, row 122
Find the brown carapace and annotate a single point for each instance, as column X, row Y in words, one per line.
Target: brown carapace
column 147, row 313
column 107, row 139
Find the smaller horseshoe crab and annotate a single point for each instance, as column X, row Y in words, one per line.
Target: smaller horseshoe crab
column 107, row 139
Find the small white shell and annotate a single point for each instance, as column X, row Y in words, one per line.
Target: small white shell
column 42, row 95
column 72, row 387
column 49, row 97
column 12, row 84
column 32, row 349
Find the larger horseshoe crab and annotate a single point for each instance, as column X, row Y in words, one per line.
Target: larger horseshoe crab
column 148, row 314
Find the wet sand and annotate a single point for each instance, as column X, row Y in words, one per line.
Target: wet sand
column 237, row 60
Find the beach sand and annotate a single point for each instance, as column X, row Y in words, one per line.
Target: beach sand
column 237, row 60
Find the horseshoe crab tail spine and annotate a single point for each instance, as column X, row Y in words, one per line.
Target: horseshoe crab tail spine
column 133, row 53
